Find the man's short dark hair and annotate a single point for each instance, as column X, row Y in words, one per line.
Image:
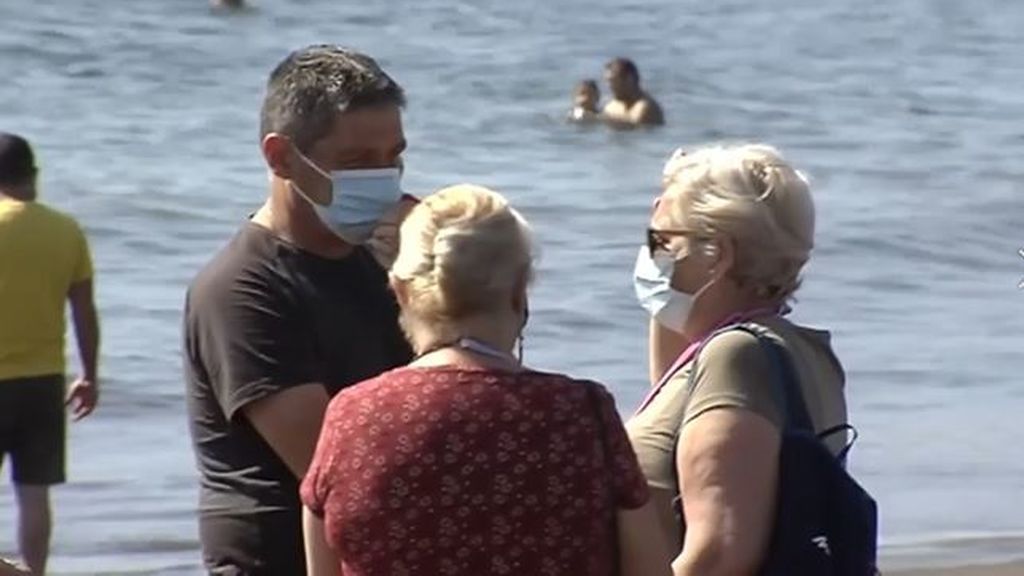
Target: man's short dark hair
column 312, row 85
column 17, row 163
column 623, row 66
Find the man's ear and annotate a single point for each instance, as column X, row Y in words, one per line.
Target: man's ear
column 277, row 152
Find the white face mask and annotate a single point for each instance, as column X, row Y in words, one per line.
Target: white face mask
column 652, row 282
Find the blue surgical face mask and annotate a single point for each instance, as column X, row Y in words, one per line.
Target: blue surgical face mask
column 359, row 199
column 652, row 281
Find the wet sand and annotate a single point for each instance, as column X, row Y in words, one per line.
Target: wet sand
column 1014, row 569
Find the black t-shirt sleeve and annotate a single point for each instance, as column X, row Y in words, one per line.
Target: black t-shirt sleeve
column 252, row 344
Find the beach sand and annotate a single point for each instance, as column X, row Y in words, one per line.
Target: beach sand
column 1014, row 569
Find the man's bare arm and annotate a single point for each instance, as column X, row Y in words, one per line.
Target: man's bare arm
column 84, row 392
column 87, row 326
column 290, row 422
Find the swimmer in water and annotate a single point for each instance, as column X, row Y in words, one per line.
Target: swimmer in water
column 630, row 106
column 227, row 4
column 584, row 102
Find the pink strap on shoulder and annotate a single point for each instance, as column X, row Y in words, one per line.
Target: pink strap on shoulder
column 690, row 351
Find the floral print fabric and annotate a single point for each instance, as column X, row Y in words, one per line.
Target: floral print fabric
column 455, row 471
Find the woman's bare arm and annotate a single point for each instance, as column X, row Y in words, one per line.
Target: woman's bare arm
column 643, row 548
column 320, row 559
column 728, row 469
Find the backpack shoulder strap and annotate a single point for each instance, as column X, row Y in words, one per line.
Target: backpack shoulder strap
column 788, row 396
column 784, row 381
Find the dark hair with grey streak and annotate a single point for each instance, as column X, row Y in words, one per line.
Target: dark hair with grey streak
column 312, row 85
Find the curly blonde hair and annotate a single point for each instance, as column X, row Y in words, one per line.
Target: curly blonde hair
column 462, row 253
column 750, row 194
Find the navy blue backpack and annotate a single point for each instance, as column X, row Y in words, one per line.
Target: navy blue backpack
column 826, row 524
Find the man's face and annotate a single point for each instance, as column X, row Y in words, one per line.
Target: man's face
column 619, row 83
column 364, row 138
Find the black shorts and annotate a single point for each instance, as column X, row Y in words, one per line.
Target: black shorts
column 32, row 426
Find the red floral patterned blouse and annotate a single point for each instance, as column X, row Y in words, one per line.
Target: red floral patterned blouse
column 446, row 470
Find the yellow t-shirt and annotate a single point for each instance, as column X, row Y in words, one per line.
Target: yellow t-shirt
column 42, row 253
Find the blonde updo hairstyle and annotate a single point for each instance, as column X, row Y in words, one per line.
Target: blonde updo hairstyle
column 463, row 252
column 750, row 195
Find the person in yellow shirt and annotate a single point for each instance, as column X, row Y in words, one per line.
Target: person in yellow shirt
column 44, row 261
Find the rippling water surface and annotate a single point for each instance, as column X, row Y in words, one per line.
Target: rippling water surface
column 906, row 113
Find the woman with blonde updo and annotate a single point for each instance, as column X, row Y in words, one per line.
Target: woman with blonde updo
column 466, row 462
column 725, row 246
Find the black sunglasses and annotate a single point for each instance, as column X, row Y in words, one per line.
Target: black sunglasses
column 658, row 240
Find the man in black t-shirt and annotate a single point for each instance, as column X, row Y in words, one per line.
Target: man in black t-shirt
column 295, row 307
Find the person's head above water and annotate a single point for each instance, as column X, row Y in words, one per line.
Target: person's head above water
column 586, row 95
column 17, row 168
column 463, row 266
column 330, row 114
column 228, row 4
column 623, row 78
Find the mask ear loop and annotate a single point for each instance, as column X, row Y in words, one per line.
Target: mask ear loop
column 312, row 164
column 522, row 333
column 318, row 170
column 710, row 250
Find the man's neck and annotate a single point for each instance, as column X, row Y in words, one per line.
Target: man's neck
column 292, row 219
column 16, row 195
column 632, row 98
